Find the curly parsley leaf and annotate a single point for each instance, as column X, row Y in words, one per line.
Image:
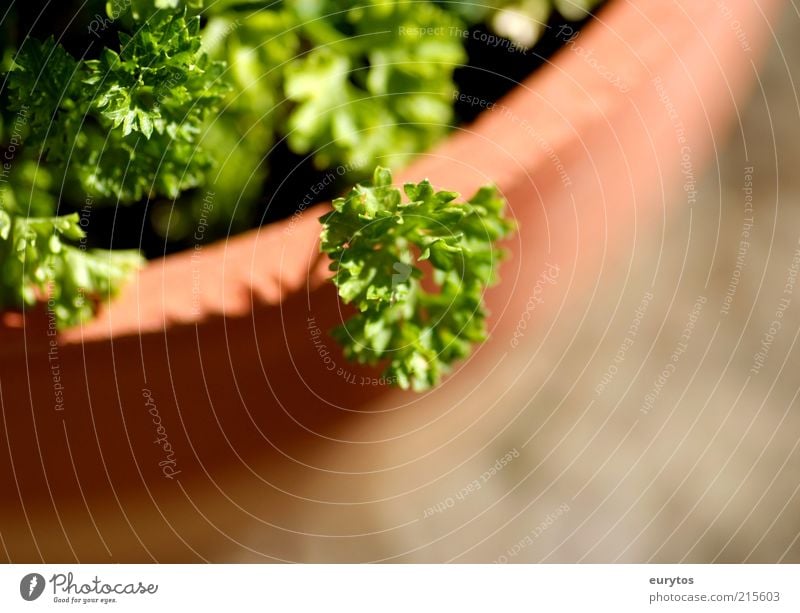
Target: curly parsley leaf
column 377, row 240
column 40, row 263
column 126, row 125
column 159, row 81
column 377, row 82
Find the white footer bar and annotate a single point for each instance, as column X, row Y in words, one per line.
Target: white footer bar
column 381, row 588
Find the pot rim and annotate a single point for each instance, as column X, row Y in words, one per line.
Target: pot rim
column 230, row 292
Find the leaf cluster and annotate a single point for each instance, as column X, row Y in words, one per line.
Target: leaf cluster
column 121, row 127
column 201, row 94
column 416, row 269
column 39, row 263
column 125, row 125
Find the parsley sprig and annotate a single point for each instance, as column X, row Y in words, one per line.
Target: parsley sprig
column 39, row 263
column 377, row 241
column 126, row 125
column 183, row 94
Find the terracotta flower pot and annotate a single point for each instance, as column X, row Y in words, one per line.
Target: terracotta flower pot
column 208, row 402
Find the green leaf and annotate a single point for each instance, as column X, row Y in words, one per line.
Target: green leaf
column 374, row 239
column 46, row 267
column 370, row 88
column 87, row 117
